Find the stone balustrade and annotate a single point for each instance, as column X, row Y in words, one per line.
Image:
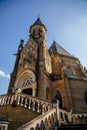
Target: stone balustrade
column 64, row 116
column 79, row 118
column 45, row 121
column 49, row 113
column 26, row 101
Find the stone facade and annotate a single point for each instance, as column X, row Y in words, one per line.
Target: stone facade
column 49, row 74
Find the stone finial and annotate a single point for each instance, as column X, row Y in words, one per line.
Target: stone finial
column 21, row 41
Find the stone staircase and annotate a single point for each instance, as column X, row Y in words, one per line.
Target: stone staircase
column 50, row 117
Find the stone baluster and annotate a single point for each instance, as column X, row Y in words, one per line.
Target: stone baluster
column 64, row 117
column 5, row 100
column 37, row 127
column 8, row 99
column 22, row 101
column 42, row 126
column 12, row 99
column 38, row 107
column 25, row 102
column 46, row 124
column 70, row 116
column 16, row 95
column 43, row 110
column 48, row 107
column 49, row 122
column 29, row 106
column 33, row 106
column 2, row 101
column 18, row 100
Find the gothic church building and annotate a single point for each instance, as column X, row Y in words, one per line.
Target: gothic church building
column 49, row 74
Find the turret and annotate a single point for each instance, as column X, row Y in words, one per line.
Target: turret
column 38, row 30
column 14, row 73
column 38, row 33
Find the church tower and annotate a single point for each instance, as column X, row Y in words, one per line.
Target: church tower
column 38, row 32
column 32, row 64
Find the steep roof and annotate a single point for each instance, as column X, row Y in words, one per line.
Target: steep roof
column 56, row 48
column 38, row 22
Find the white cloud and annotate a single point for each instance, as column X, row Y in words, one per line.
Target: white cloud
column 2, row 74
column 8, row 76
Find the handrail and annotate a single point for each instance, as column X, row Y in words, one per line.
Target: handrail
column 79, row 118
column 27, row 101
column 38, row 120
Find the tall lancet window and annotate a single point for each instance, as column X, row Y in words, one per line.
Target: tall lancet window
column 33, row 32
column 39, row 31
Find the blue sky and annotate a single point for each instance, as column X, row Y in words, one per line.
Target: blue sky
column 65, row 20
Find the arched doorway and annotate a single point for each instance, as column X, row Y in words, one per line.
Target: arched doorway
column 27, row 91
column 59, row 97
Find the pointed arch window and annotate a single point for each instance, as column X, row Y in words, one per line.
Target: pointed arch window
column 33, row 32
column 39, row 31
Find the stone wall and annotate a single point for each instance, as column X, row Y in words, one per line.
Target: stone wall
column 78, row 88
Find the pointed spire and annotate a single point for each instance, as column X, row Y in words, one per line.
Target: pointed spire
column 38, row 21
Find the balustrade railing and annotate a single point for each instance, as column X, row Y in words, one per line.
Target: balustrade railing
column 45, row 121
column 80, row 118
column 27, row 101
column 46, row 109
column 64, row 116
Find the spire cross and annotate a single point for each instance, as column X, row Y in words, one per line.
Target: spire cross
column 21, row 41
column 39, row 16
